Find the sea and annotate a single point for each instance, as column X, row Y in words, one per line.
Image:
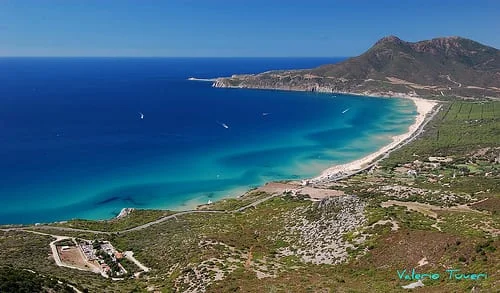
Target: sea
column 86, row 137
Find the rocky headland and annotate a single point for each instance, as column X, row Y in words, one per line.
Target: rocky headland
column 450, row 66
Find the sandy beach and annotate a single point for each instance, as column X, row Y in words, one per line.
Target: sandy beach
column 423, row 108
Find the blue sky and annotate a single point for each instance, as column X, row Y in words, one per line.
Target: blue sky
column 229, row 28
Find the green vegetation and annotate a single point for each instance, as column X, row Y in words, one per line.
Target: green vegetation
column 231, row 204
column 462, row 133
column 134, row 219
column 454, row 132
column 229, row 252
column 65, row 242
column 24, row 250
column 471, row 224
column 178, row 241
column 22, row 281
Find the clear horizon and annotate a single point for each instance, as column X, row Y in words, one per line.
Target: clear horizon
column 180, row 57
column 218, row 29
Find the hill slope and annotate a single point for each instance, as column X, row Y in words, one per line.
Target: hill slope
column 450, row 66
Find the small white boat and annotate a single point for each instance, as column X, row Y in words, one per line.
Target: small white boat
column 223, row 124
column 265, row 114
column 142, row 115
column 343, row 112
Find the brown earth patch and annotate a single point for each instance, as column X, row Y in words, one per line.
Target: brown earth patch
column 277, row 187
column 319, row 193
column 296, row 189
column 491, row 204
column 405, row 248
column 73, row 257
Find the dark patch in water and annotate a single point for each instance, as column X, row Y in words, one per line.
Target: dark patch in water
column 108, row 200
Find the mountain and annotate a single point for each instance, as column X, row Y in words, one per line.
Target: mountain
column 451, row 66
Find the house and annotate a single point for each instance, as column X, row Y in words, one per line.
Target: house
column 105, row 268
column 65, row 248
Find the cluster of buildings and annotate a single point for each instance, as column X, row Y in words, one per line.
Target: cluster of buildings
column 105, row 255
column 412, row 169
column 88, row 250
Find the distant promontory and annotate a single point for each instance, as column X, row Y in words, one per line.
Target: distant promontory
column 449, row 66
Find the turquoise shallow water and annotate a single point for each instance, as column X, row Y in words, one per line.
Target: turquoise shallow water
column 73, row 144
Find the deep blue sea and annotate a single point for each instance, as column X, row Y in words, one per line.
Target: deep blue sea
column 73, row 144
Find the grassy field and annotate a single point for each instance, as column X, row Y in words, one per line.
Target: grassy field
column 458, row 129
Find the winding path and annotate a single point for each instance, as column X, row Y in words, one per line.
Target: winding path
column 449, row 78
column 137, row 228
column 130, row 256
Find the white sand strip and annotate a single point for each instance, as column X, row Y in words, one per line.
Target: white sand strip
column 423, row 108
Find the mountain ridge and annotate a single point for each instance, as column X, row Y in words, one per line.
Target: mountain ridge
column 451, row 66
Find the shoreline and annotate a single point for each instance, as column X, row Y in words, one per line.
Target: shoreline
column 334, row 172
column 424, row 107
